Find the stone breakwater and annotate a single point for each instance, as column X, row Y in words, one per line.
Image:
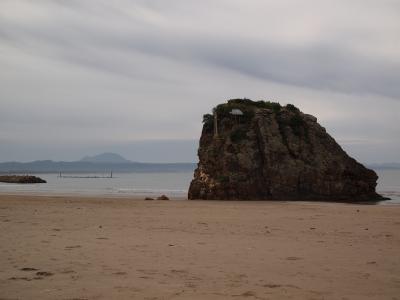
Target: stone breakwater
column 21, row 179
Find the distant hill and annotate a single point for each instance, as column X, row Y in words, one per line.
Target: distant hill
column 385, row 166
column 106, row 158
column 105, row 162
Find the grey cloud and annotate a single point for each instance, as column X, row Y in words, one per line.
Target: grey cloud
column 317, row 66
column 90, row 71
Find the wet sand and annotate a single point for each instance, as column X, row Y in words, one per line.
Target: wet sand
column 71, row 247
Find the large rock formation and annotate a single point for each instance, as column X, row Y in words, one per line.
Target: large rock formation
column 274, row 153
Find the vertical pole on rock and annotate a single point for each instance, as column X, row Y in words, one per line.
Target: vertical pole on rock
column 215, row 124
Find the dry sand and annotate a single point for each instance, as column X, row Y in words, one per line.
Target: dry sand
column 74, row 247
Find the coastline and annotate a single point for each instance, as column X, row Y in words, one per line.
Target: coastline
column 176, row 197
column 88, row 195
column 150, row 185
column 107, row 247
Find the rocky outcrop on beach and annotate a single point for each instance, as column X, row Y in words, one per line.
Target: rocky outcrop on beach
column 265, row 151
column 21, row 179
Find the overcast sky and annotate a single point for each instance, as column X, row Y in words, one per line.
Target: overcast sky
column 80, row 77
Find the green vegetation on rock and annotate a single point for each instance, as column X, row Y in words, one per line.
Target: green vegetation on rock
column 248, row 108
column 223, row 179
column 238, row 134
column 208, row 121
column 296, row 122
column 292, row 108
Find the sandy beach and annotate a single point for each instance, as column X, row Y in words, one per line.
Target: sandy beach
column 71, row 247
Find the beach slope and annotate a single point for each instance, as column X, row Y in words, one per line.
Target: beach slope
column 74, row 247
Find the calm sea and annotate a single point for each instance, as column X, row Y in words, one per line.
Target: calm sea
column 123, row 184
column 389, row 185
column 153, row 184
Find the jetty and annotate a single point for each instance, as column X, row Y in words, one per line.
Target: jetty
column 60, row 175
column 21, row 179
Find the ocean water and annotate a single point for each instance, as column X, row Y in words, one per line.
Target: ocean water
column 123, row 184
column 389, row 185
column 153, row 185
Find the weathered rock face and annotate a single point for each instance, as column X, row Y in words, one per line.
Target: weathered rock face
column 275, row 153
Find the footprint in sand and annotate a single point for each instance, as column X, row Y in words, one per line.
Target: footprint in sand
column 246, row 294
column 72, row 247
column 293, row 258
column 28, row 269
column 120, row 273
column 272, row 286
column 44, row 273
column 20, row 278
column 67, row 272
column 148, row 272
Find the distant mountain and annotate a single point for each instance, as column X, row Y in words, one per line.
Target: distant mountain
column 105, row 162
column 107, row 157
column 393, row 166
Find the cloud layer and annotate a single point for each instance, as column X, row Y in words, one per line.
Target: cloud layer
column 81, row 72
